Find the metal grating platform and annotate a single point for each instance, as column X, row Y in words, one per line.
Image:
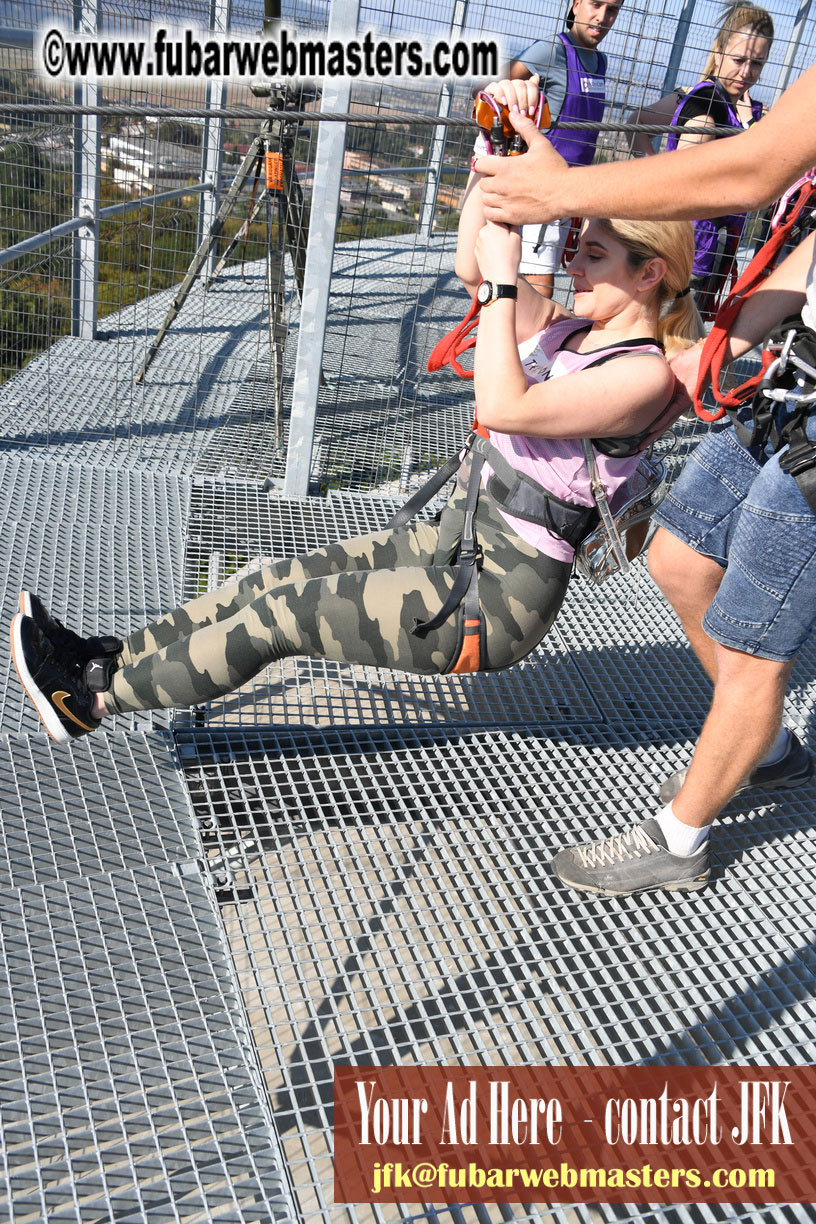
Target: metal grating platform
column 232, row 525
column 102, row 548
column 127, row 1079
column 205, row 407
column 393, row 902
column 91, row 601
column 111, row 802
column 383, row 871
column 49, row 490
column 79, row 398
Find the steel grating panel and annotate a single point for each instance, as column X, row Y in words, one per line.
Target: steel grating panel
column 80, row 397
column 386, row 417
column 47, row 490
column 230, row 525
column 378, row 410
column 128, row 1089
column 98, row 577
column 385, row 889
column 110, row 802
column 109, row 421
column 245, row 446
column 229, row 318
column 392, row 901
column 630, row 650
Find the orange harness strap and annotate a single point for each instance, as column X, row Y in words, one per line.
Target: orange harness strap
column 716, row 345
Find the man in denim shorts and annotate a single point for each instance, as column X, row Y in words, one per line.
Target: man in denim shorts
column 736, row 549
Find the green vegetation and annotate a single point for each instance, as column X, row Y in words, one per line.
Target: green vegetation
column 373, row 223
column 140, row 253
column 388, row 144
column 146, row 250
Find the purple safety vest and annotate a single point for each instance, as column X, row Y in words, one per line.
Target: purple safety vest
column 707, row 232
column 585, row 99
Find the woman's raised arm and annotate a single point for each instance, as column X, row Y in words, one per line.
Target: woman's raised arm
column 533, row 312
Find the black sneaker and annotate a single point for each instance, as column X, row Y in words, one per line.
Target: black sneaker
column 794, row 769
column 56, row 687
column 631, row 862
column 67, row 643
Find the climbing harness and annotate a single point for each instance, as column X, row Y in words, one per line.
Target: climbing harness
column 716, row 239
column 516, row 494
column 787, row 371
column 605, row 539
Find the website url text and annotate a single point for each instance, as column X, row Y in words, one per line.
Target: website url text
column 195, row 55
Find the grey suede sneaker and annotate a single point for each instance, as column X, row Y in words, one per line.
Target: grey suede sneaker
column 631, row 862
column 794, row 769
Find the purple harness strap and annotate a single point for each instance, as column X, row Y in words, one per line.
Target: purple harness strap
column 707, row 231
column 585, row 100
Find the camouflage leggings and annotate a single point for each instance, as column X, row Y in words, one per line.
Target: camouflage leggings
column 354, row 602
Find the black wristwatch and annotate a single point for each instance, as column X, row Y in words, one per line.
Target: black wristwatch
column 488, row 292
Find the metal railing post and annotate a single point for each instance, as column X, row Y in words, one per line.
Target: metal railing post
column 681, row 34
column 325, row 209
column 87, row 150
column 212, row 142
column 437, row 151
column 792, row 46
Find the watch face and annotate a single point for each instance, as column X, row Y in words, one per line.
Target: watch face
column 484, row 292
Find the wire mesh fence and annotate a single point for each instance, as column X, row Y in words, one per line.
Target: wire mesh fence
column 378, row 408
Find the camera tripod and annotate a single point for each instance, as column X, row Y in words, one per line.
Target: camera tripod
column 271, row 153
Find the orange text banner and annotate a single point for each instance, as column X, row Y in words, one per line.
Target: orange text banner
column 575, row 1134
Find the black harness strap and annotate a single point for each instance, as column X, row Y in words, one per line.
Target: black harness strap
column 466, row 584
column 790, row 378
column 522, row 497
column 428, row 491
column 517, row 494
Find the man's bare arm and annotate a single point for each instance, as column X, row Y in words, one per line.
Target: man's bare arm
column 740, row 173
column 782, row 294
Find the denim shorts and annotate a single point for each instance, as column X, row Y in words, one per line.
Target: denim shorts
column 754, row 522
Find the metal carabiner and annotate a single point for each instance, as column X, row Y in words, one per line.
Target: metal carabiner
column 770, row 376
column 777, row 368
column 781, row 363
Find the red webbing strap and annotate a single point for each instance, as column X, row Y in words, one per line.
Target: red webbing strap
column 715, row 347
column 458, row 341
column 448, row 350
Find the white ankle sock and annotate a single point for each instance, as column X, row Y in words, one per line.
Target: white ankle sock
column 681, row 839
column 778, row 749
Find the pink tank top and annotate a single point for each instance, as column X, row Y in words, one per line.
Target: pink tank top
column 558, row 463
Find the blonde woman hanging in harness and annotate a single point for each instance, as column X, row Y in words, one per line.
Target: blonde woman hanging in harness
column 480, row 586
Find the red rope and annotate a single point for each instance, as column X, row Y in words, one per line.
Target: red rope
column 451, row 347
column 715, row 348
